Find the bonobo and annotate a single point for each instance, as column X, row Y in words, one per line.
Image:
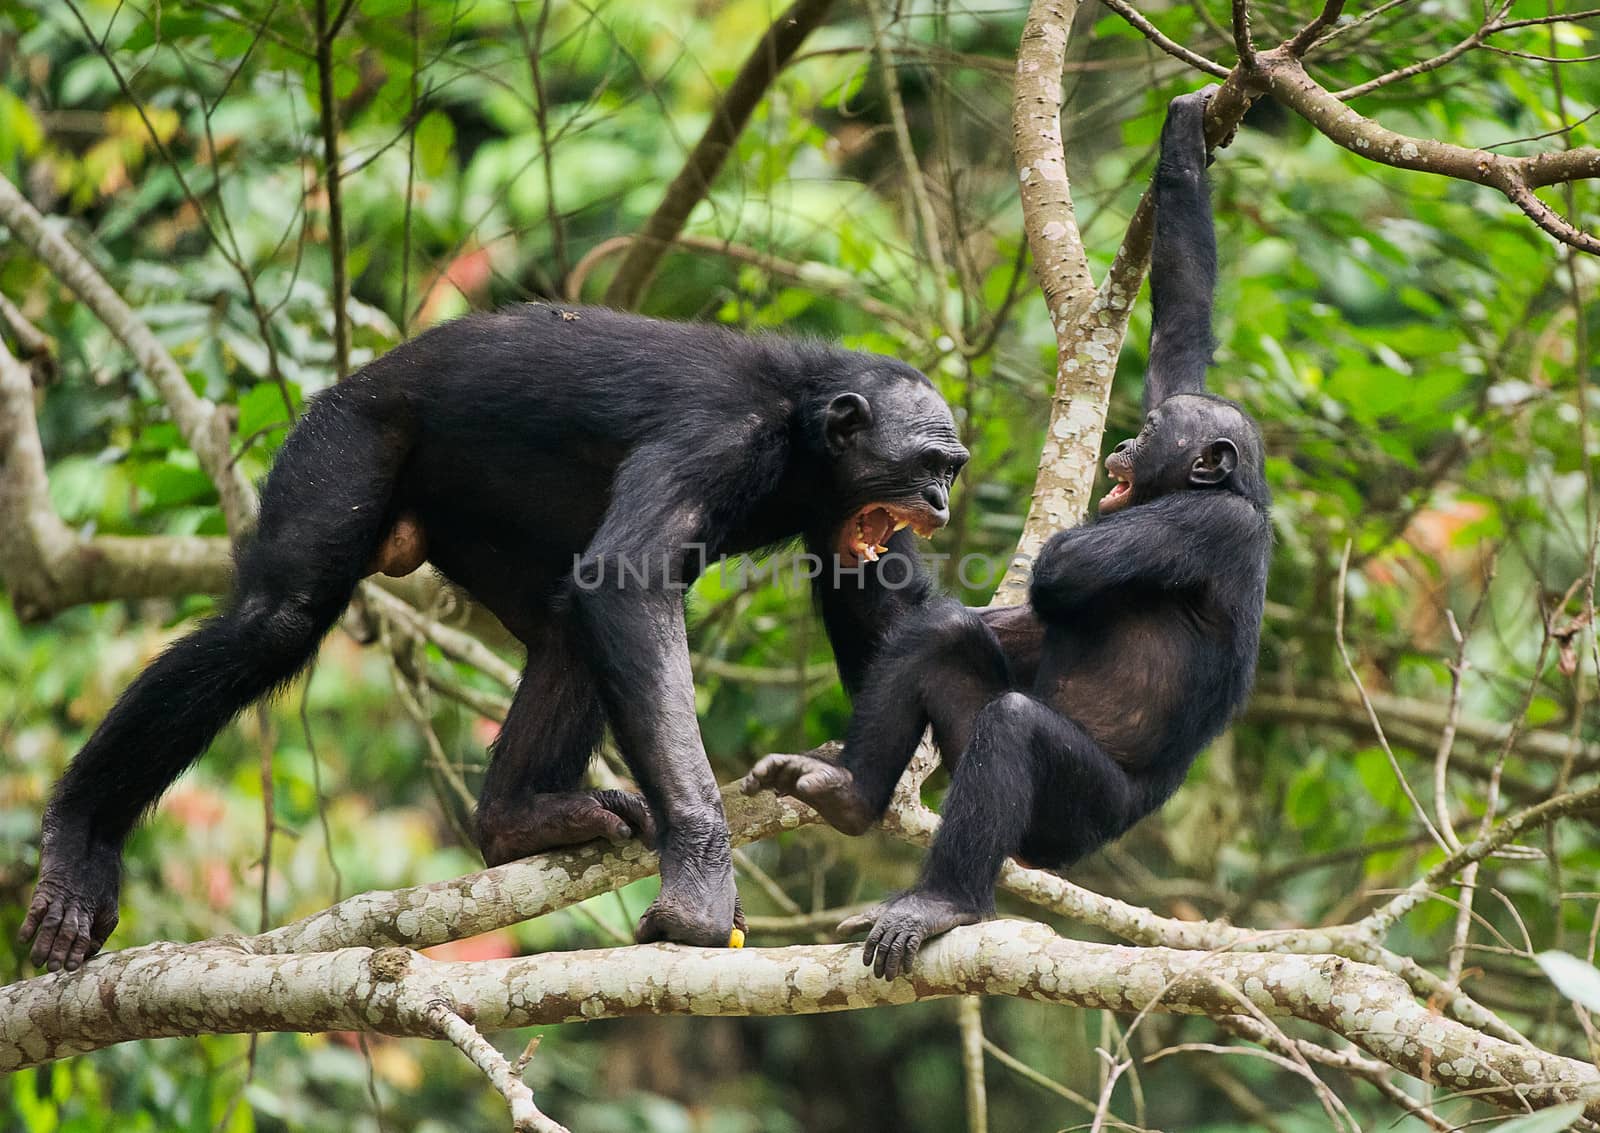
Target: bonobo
column 1069, row 720
column 573, row 470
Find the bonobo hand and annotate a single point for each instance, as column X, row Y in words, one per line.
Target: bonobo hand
column 901, row 925
column 74, row 906
column 1197, row 102
column 826, row 787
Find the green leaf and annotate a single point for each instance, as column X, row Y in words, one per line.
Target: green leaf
column 1551, row 1120
column 436, row 134
column 1576, row 979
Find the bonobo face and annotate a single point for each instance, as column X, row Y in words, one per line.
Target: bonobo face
column 895, row 454
column 1190, row 441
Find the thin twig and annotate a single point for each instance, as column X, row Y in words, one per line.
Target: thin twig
column 969, row 1018
column 525, row 1115
column 1372, row 713
column 728, row 120
column 1144, row 27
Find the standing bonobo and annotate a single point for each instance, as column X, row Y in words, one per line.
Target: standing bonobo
column 1069, row 720
column 572, row 470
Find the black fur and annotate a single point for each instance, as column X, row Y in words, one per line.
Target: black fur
column 1068, row 721
column 515, row 445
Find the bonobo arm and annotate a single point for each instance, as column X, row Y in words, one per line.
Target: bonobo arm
column 1183, row 258
column 667, row 497
column 1177, row 541
column 859, row 606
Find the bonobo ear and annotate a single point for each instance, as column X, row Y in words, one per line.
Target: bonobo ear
column 847, row 415
column 1215, row 463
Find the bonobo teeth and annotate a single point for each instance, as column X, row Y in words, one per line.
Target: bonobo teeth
column 902, row 524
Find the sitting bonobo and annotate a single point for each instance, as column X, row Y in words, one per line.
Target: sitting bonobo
column 1069, row 720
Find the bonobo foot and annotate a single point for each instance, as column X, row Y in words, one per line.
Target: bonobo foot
column 698, row 903
column 826, row 787
column 900, row 926
column 74, row 906
column 566, row 819
column 670, row 918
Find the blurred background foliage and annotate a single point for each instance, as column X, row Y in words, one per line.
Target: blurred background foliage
column 1414, row 348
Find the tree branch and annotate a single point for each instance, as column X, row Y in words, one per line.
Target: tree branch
column 172, row 990
column 1048, row 216
column 1306, row 36
column 728, row 120
column 1282, row 74
column 1144, row 27
column 204, row 429
column 525, row 1115
column 424, row 915
column 45, row 565
column 814, row 276
column 1316, row 706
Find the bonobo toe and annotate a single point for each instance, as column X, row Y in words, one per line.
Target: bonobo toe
column 826, row 787
column 570, row 819
column 667, row 921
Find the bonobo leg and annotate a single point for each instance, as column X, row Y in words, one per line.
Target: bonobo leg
column 665, row 511
column 939, row 666
column 322, row 517
column 1028, row 768
column 530, row 801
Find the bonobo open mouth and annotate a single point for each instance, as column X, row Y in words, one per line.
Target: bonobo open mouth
column 865, row 535
column 1121, row 470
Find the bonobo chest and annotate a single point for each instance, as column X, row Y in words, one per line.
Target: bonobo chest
column 1128, row 668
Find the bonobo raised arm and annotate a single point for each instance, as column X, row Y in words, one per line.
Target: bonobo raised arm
column 1069, row 721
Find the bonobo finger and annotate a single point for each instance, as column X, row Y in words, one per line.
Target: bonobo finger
column 45, row 939
column 859, row 921
column 61, row 945
column 873, row 950
column 886, row 953
column 30, row 923
column 913, row 946
column 738, row 913
column 893, row 956
column 83, row 946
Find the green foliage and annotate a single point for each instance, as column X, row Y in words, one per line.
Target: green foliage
column 1409, row 343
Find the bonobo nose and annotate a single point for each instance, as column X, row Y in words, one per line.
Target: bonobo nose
column 1124, row 446
column 939, row 501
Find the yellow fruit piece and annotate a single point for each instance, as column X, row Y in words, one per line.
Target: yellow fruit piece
column 736, row 939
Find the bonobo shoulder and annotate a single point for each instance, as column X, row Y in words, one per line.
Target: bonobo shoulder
column 1217, row 510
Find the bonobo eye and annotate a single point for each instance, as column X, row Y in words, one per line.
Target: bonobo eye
column 941, row 465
